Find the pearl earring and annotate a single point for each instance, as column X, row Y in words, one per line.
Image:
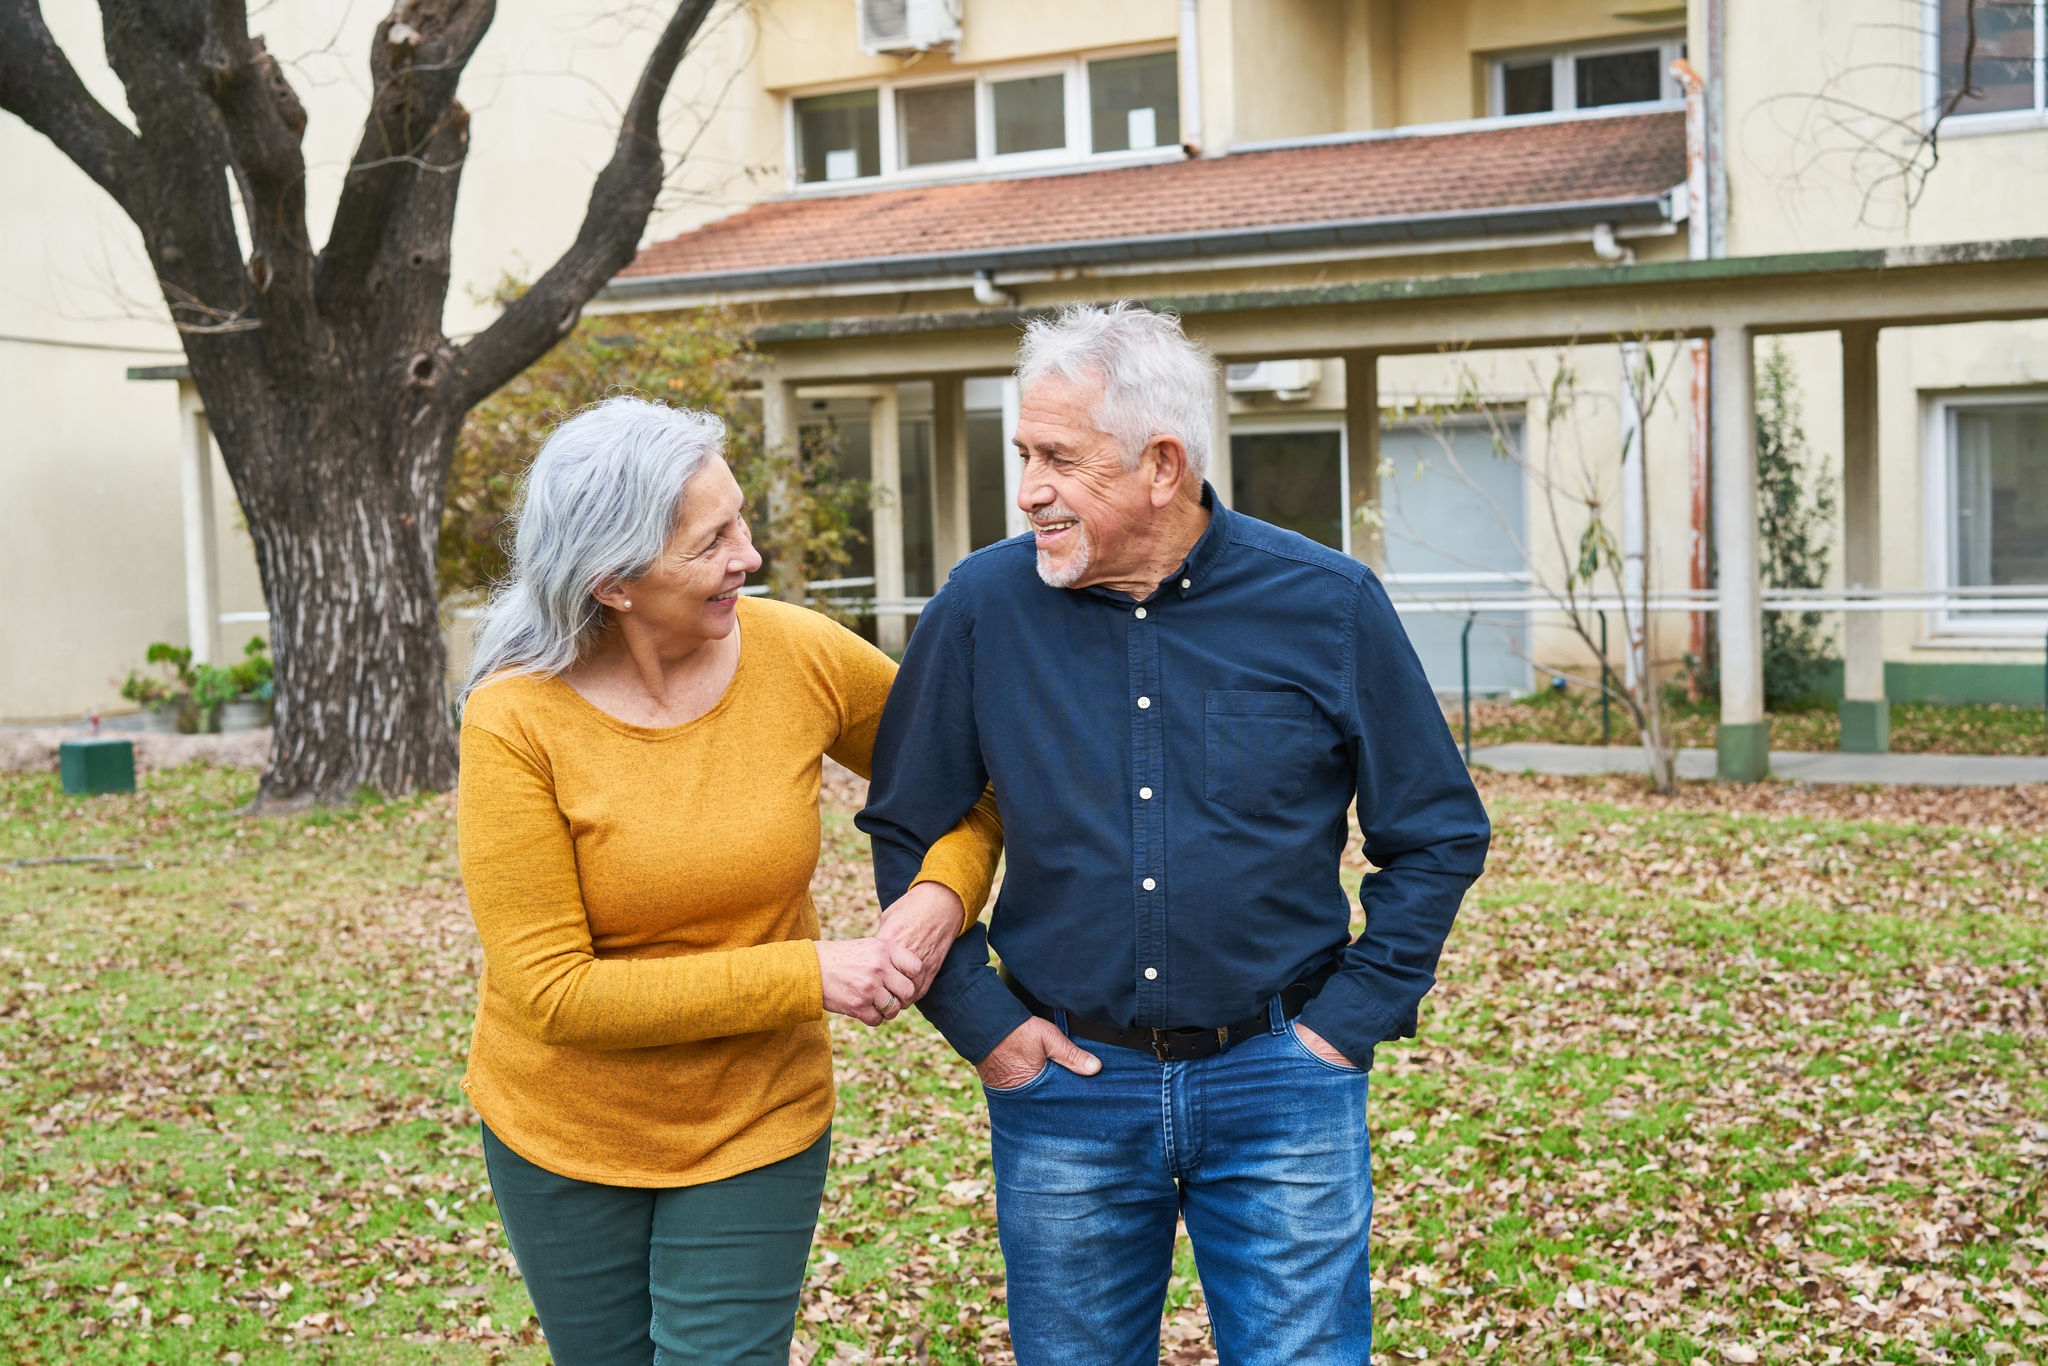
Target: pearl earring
column 624, row 606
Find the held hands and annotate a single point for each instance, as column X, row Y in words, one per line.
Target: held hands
column 869, row 979
column 873, row 979
column 1020, row 1057
column 925, row 920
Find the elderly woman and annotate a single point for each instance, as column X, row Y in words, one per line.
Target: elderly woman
column 641, row 752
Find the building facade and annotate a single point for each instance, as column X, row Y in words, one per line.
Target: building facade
column 1408, row 228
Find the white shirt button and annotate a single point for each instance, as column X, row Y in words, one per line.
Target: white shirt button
column 1187, row 583
column 1151, row 974
column 1150, row 884
column 1140, row 614
column 1143, row 703
column 1145, row 793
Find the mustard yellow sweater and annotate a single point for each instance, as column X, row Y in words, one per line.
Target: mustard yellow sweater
column 651, row 1012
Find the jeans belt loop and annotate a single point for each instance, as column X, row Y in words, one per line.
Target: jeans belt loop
column 1276, row 1014
column 1059, row 1021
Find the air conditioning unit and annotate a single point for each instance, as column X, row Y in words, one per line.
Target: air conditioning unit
column 907, row 25
column 1289, row 380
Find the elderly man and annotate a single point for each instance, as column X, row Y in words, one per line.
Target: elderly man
column 1177, row 706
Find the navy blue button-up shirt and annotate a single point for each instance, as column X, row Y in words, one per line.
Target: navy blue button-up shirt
column 1174, row 777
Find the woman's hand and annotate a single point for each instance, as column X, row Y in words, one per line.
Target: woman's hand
column 869, row 979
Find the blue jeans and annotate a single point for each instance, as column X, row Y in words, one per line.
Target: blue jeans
column 1262, row 1149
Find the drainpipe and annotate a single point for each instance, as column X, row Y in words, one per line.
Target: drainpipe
column 1700, row 208
column 988, row 293
column 1190, row 78
column 1717, row 127
column 1607, row 249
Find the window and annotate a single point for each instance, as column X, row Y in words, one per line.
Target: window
column 1991, row 57
column 1585, row 78
column 1134, row 103
column 1994, row 518
column 1029, row 114
column 936, row 123
column 1041, row 114
column 838, row 137
column 1291, row 478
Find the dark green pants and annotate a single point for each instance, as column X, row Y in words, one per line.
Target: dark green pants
column 704, row 1275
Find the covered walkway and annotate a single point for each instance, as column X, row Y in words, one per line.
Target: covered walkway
column 1729, row 302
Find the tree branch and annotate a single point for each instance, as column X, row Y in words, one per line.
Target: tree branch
column 416, row 59
column 39, row 86
column 620, row 203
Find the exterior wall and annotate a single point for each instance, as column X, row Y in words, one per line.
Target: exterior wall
column 806, row 43
column 1804, row 179
column 1443, row 44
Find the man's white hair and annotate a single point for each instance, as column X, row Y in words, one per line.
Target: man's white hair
column 1155, row 382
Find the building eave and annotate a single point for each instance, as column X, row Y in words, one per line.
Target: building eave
column 1197, row 251
column 1558, row 279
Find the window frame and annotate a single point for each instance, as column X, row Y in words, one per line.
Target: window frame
column 1077, row 152
column 1946, row 629
column 1564, row 86
column 1990, row 121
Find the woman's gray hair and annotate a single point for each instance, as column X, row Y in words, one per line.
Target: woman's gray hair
column 1155, row 382
column 597, row 505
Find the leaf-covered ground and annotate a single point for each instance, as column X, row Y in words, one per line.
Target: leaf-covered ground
column 1742, row 1074
column 1573, row 718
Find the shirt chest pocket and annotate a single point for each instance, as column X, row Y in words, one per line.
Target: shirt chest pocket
column 1258, row 748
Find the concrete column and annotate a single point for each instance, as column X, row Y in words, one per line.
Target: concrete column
column 1014, row 523
column 202, row 551
column 1219, row 473
column 1866, row 715
column 1362, row 455
column 1743, row 742
column 885, row 455
column 782, row 442
column 950, row 536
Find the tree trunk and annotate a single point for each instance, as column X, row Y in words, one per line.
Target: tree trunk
column 344, row 542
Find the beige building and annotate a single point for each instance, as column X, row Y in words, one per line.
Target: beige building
column 1406, row 226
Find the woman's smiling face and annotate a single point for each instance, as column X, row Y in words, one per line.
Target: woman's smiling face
column 691, row 592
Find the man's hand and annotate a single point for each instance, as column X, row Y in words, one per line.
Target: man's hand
column 1018, row 1058
column 1318, row 1045
column 926, row 920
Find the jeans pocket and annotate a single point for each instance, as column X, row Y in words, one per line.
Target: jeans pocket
column 1346, row 1069
column 1037, row 1079
column 1257, row 748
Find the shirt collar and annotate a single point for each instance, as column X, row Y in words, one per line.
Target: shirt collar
column 1208, row 549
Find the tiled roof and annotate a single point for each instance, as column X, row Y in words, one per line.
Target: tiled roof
column 1488, row 180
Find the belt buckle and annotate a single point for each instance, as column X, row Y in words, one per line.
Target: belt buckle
column 1161, row 1046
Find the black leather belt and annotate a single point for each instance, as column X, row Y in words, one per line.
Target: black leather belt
column 1184, row 1044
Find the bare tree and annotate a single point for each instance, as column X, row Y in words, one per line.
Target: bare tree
column 1582, row 562
column 1866, row 122
column 327, row 377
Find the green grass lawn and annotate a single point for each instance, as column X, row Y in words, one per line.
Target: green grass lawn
column 1573, row 718
column 1760, row 1083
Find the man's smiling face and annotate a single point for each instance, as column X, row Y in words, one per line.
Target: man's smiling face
column 1083, row 502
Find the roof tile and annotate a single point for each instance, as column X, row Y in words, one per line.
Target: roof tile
column 1571, row 161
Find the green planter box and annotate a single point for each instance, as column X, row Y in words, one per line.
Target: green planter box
column 97, row 765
